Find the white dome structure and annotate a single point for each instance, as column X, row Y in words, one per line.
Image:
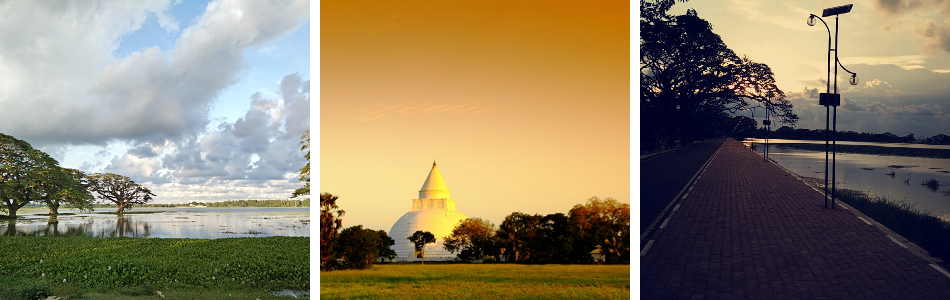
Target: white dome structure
column 434, row 212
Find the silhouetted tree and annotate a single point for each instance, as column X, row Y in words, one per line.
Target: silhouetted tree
column 690, row 79
column 331, row 220
column 358, row 247
column 384, row 249
column 517, row 234
column 420, row 239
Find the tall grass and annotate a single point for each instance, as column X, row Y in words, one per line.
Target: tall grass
column 114, row 266
column 928, row 232
column 464, row 281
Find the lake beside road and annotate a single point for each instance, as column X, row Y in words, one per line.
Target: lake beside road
column 172, row 222
column 898, row 178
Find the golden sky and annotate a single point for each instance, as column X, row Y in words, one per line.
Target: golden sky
column 525, row 105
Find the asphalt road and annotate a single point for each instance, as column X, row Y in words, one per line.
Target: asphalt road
column 662, row 177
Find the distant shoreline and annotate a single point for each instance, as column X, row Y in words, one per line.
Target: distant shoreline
column 872, row 150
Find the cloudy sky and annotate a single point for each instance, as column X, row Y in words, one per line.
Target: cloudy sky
column 900, row 50
column 525, row 105
column 198, row 100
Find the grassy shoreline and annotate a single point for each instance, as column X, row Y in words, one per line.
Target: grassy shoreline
column 476, row 281
column 106, row 268
column 928, row 232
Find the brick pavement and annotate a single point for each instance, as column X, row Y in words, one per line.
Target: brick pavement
column 750, row 230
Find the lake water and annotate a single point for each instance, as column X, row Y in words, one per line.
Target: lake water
column 184, row 222
column 869, row 173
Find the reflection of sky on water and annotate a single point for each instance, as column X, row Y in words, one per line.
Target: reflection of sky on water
column 867, row 173
column 889, row 145
column 205, row 223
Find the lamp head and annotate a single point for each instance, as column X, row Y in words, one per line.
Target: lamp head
column 811, row 20
column 854, row 79
column 837, row 10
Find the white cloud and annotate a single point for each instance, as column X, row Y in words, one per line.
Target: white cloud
column 66, row 87
column 259, row 149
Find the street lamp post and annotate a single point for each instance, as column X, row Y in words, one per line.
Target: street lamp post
column 829, row 99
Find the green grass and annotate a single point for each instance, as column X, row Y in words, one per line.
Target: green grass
column 106, row 268
column 928, row 232
column 468, row 281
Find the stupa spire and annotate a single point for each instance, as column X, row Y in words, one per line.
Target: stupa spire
column 434, row 187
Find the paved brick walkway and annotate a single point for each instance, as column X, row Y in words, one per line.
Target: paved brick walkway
column 750, row 230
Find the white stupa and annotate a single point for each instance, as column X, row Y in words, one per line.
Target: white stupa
column 434, row 212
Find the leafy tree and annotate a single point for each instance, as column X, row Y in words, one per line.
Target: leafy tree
column 118, row 189
column 472, row 238
column 553, row 244
column 384, row 250
column 595, row 222
column 517, row 233
column 28, row 175
column 420, row 239
column 305, row 171
column 331, row 220
column 358, row 247
column 67, row 186
column 690, row 79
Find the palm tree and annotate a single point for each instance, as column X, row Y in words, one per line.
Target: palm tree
column 329, row 224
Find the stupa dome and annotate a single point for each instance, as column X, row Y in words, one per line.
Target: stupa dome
column 433, row 212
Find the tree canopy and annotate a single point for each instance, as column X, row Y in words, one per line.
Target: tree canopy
column 473, row 238
column 305, row 171
column 358, row 247
column 690, row 80
column 118, row 189
column 331, row 220
column 420, row 239
column 28, row 175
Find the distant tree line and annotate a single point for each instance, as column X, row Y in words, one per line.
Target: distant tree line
column 521, row 238
column 260, row 203
column 548, row 239
column 786, row 132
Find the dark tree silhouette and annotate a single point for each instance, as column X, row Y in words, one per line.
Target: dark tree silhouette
column 420, row 239
column 331, row 220
column 690, row 79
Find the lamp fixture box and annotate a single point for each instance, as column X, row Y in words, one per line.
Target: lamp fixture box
column 826, row 99
column 837, row 10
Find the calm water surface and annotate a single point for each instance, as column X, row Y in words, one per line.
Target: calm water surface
column 868, row 173
column 185, row 222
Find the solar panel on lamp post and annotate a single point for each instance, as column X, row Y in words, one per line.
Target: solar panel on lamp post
column 829, row 99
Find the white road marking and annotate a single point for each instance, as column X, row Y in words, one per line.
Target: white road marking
column 865, row 221
column 646, row 248
column 941, row 270
column 895, row 241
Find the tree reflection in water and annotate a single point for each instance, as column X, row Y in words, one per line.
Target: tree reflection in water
column 123, row 227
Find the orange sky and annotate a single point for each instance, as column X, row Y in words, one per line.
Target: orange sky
column 525, row 105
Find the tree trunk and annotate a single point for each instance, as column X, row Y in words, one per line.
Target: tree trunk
column 54, row 209
column 423, row 255
column 121, row 208
column 11, row 207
